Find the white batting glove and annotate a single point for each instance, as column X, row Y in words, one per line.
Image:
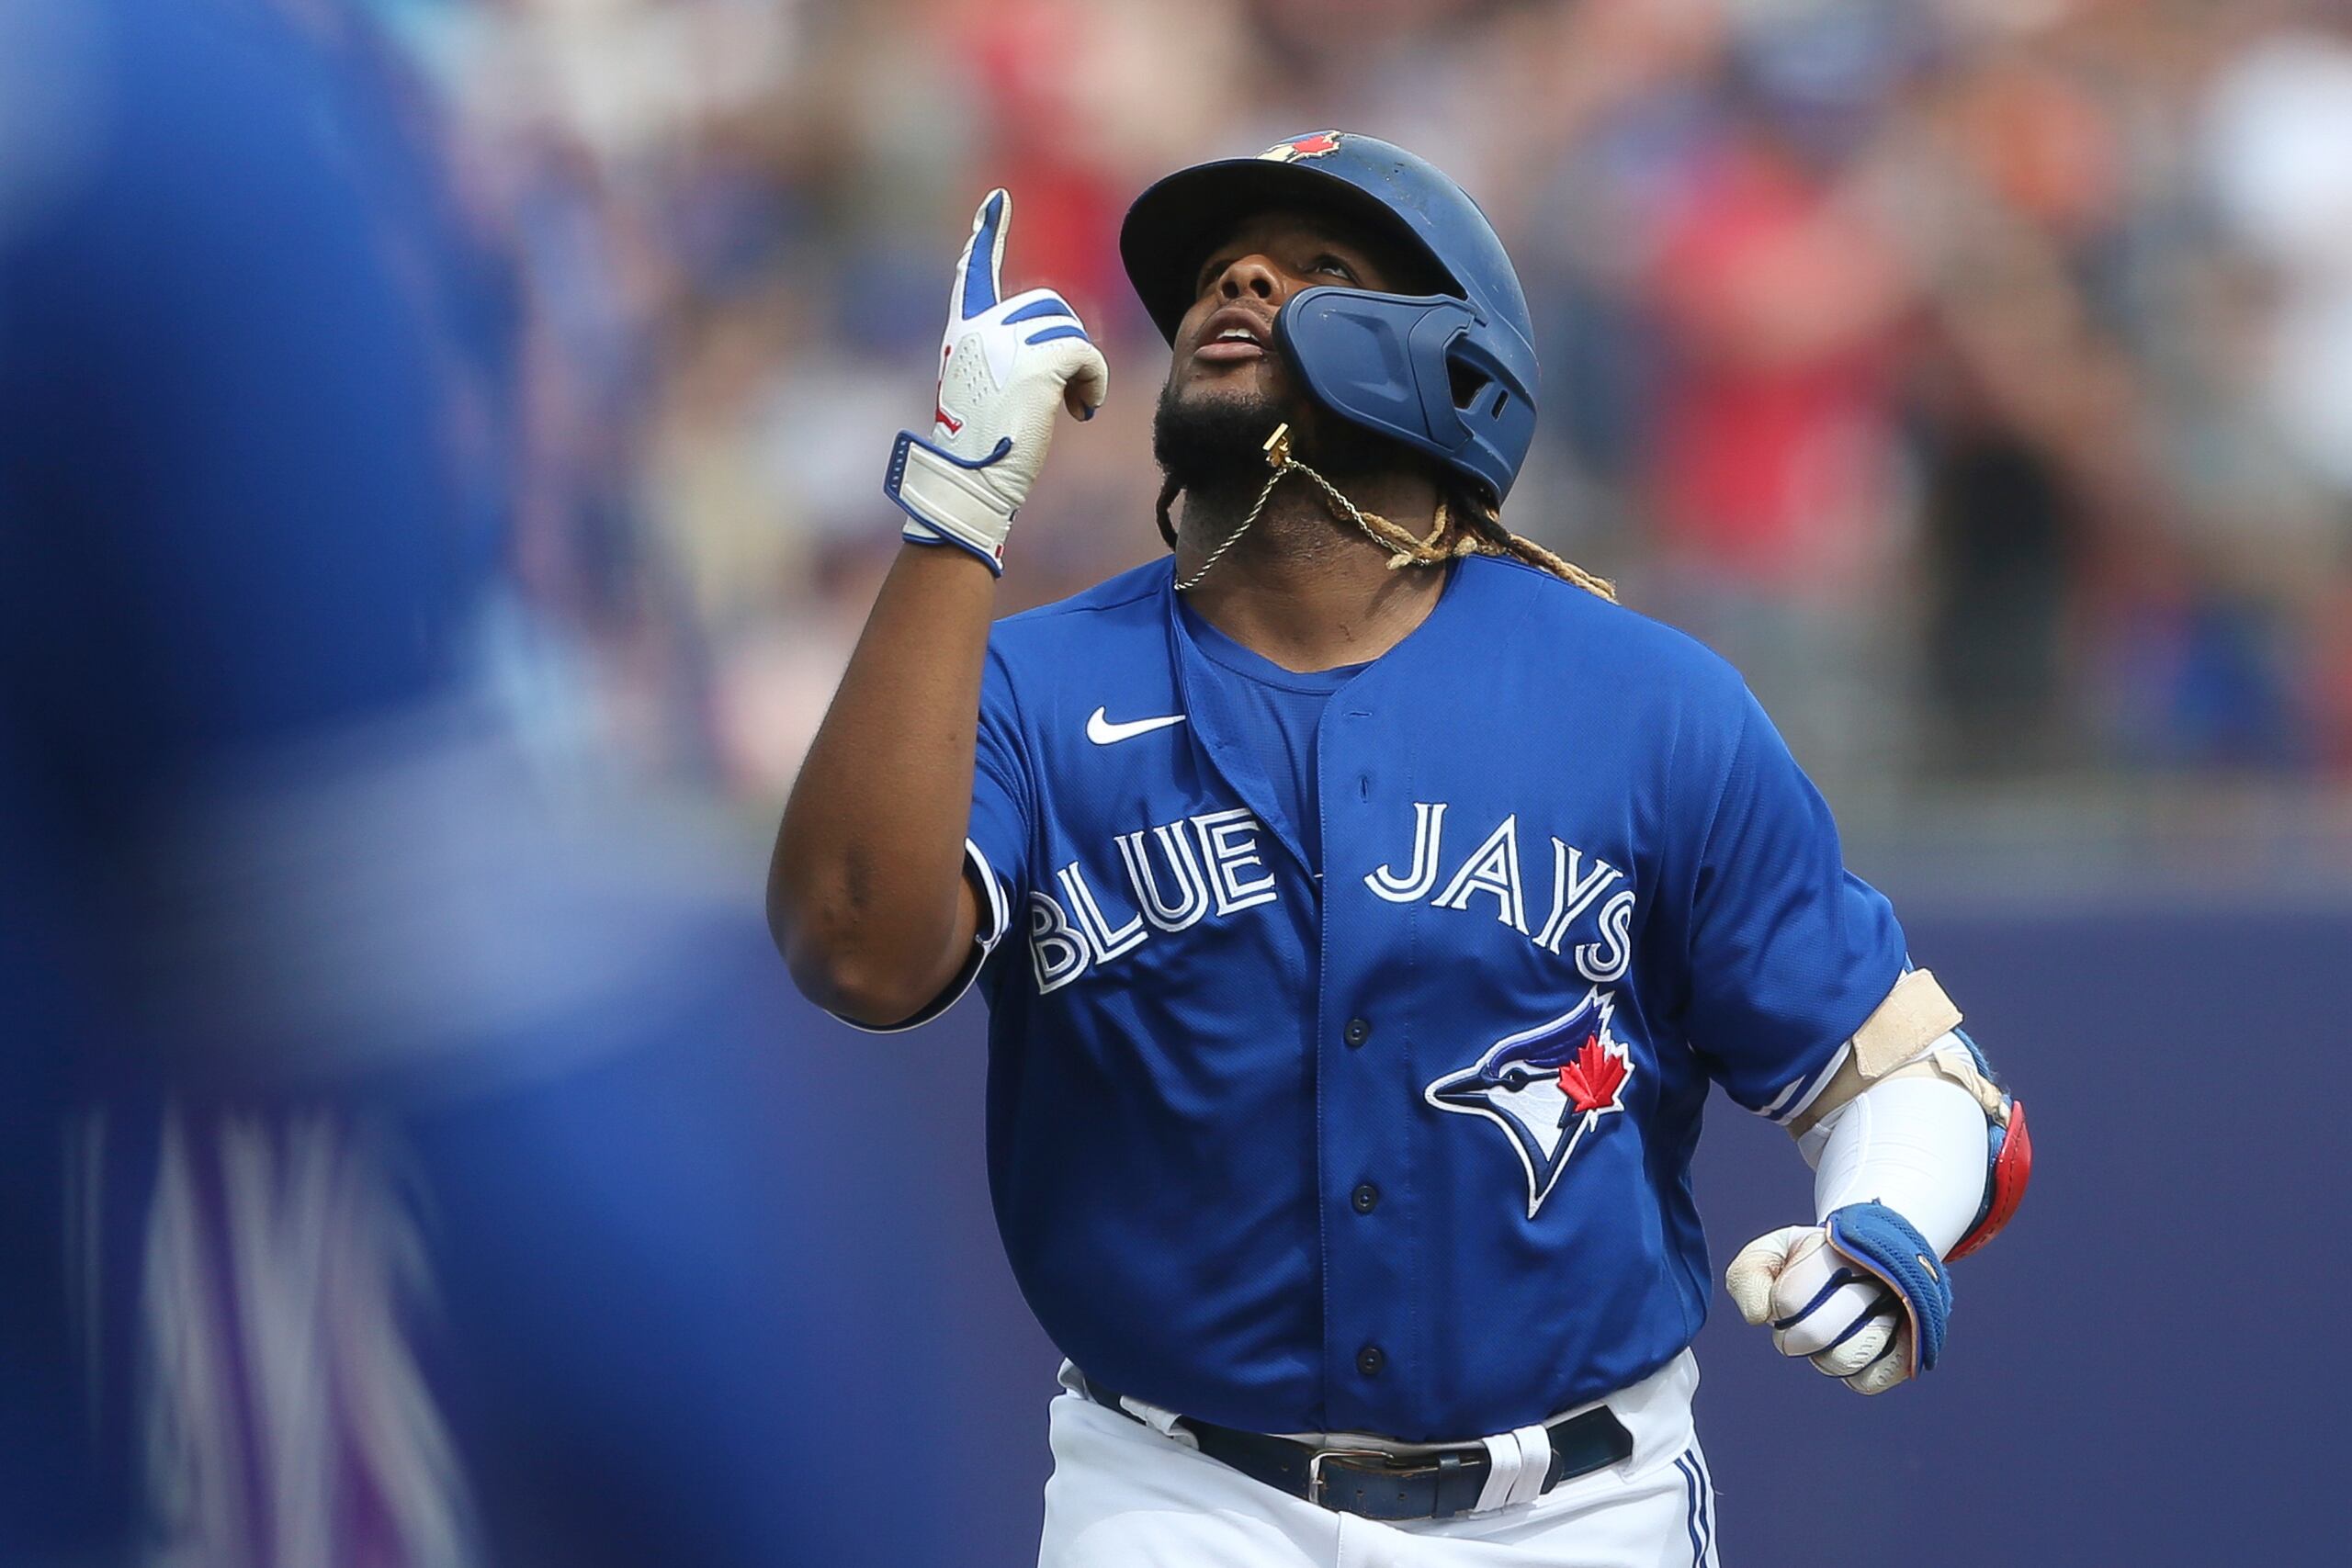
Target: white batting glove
column 1822, row 1307
column 1003, row 366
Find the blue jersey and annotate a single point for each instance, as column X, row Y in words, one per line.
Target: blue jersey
column 1394, row 1137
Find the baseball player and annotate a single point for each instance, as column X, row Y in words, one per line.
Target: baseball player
column 1365, row 903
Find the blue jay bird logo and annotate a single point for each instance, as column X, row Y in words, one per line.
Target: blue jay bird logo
column 1546, row 1086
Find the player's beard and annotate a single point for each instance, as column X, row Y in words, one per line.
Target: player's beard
column 1212, row 444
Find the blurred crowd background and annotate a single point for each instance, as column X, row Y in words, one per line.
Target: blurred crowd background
column 440, row 446
column 1976, row 374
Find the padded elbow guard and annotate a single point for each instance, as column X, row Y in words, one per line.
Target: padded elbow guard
column 1917, row 1031
column 2009, row 1161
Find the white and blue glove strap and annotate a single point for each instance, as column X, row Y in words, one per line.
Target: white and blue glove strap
column 944, row 503
column 1006, row 365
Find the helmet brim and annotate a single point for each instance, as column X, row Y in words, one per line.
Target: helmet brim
column 1175, row 223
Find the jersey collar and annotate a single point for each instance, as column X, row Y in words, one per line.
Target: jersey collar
column 1458, row 630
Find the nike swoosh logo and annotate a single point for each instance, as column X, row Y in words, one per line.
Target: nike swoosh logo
column 1103, row 732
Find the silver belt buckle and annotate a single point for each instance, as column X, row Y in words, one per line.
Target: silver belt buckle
column 1314, row 1467
column 1390, row 1464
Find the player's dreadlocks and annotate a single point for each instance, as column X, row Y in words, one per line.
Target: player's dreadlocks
column 1465, row 525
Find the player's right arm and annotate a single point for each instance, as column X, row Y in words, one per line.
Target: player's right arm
column 866, row 896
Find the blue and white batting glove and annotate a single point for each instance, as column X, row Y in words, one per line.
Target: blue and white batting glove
column 1004, row 365
column 1862, row 1295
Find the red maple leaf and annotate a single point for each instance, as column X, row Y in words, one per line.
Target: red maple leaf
column 1315, row 146
column 1592, row 1080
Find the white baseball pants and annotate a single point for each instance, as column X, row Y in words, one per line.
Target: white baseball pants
column 1123, row 1495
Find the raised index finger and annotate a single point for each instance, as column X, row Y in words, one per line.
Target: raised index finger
column 979, row 269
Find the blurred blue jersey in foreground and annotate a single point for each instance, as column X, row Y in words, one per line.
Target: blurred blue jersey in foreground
column 357, row 1057
column 230, row 591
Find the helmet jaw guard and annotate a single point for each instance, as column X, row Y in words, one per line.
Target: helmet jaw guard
column 1426, row 370
column 1452, row 375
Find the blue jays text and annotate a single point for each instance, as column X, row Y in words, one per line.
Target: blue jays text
column 1176, row 873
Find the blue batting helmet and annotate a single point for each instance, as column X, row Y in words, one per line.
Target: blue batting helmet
column 1453, row 375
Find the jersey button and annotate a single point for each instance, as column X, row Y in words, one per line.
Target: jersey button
column 1366, row 1198
column 1369, row 1360
column 1359, row 1030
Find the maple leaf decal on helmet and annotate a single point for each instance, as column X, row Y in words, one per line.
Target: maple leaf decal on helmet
column 1314, row 146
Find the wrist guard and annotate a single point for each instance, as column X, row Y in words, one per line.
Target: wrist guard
column 1884, row 1244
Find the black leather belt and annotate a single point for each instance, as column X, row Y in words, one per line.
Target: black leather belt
column 1377, row 1485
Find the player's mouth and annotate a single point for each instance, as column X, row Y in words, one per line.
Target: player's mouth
column 1234, row 334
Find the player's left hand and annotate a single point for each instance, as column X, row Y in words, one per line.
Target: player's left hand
column 1823, row 1307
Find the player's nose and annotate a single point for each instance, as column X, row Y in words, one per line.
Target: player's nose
column 1252, row 275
